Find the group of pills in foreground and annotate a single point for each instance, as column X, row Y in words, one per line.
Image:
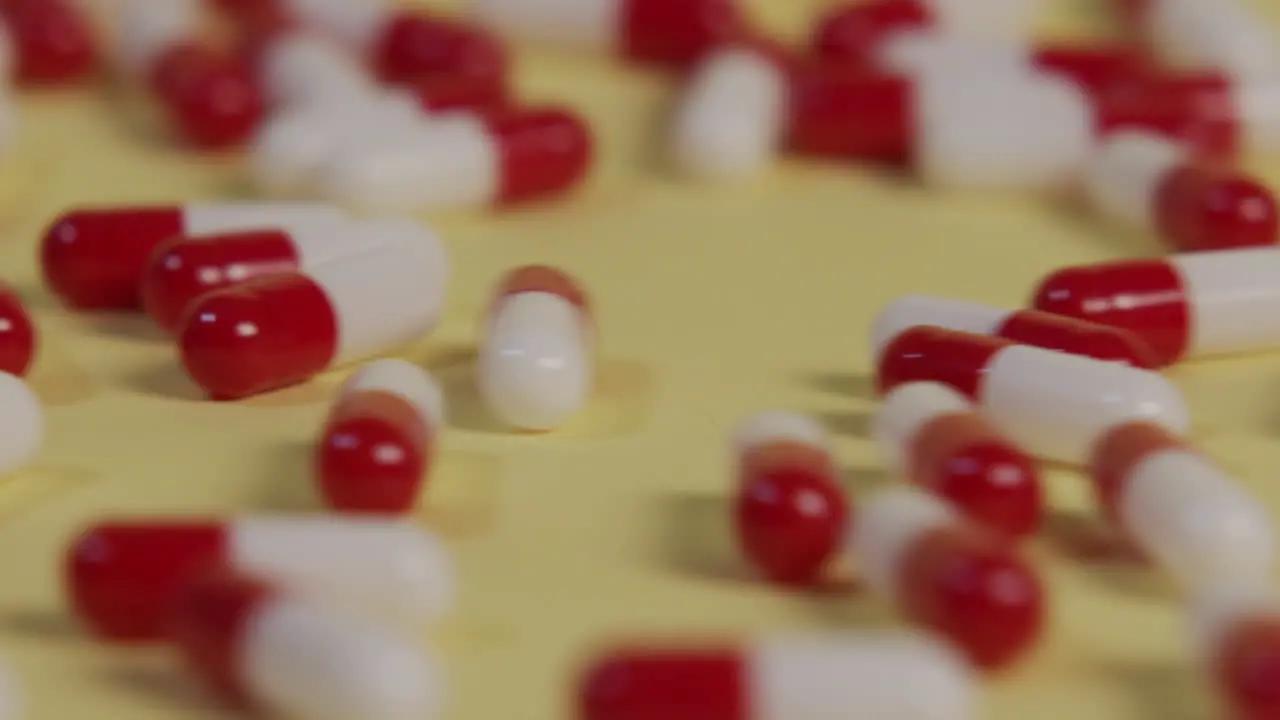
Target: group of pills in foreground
column 376, row 108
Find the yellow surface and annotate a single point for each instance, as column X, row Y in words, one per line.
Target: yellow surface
column 713, row 303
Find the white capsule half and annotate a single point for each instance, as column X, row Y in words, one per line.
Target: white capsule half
column 405, row 379
column 887, row 527
column 908, row 409
column 916, row 310
column 1123, row 175
column 779, row 426
column 21, row 424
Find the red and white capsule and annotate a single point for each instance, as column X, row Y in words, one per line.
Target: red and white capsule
column 17, row 334
column 94, row 258
column 209, row 95
column 379, row 440
column 834, row 676
column 744, row 104
column 1149, row 181
column 949, row 575
column 791, row 510
column 537, row 356
column 1224, row 36
column 284, row 329
column 934, row 436
column 183, row 269
column 121, row 577
column 1025, row 327
column 1182, row 306
column 22, row 417
column 53, row 41
column 1235, row 633
column 267, row 648
column 298, row 68
column 1048, row 403
column 664, row 32
column 502, row 158
column 1184, row 512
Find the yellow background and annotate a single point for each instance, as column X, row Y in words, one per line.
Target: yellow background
column 713, row 302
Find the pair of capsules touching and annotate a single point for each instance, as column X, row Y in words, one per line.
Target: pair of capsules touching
column 794, row 518
column 300, row 616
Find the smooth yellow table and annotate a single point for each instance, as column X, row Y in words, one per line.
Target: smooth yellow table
column 713, row 302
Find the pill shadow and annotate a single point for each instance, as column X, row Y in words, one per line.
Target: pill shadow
column 619, row 405
column 170, row 381
column 60, row 381
column 1101, row 556
column 1162, row 690
column 39, row 484
column 135, row 327
column 851, row 385
column 288, row 478
column 850, row 423
column 40, row 625
column 1073, row 211
column 166, row 685
column 696, row 538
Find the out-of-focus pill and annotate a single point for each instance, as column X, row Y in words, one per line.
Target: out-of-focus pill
column 1026, row 327
column 94, row 258
column 298, row 68
column 792, row 512
column 1225, row 36
column 17, row 334
column 1155, row 183
column 122, row 576
column 537, row 359
column 1190, row 517
column 934, row 436
column 379, row 440
column 1048, row 403
column 53, row 41
column 270, row 649
column 209, row 95
column 829, row 677
column 1235, row 633
column 23, row 421
column 948, row 575
column 1183, row 306
column 499, row 158
column 185, row 268
column 284, row 329
column 12, row 700
column 665, row 32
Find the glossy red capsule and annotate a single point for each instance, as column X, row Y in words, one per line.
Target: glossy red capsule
column 17, row 334
column 53, row 41
column 211, row 97
column 1193, row 108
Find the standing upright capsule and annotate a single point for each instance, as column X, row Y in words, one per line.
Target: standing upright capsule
column 209, row 95
column 537, row 356
column 664, row 32
column 934, row 436
column 17, row 334
column 184, row 268
column 1192, row 519
column 94, row 258
column 829, row 677
column 502, row 157
column 267, row 648
column 948, row 575
column 284, row 329
column 379, row 440
column 1158, row 184
column 957, row 127
column 122, row 577
column 53, row 41
column 1183, row 306
column 1048, row 403
column 791, row 511
column 1025, row 327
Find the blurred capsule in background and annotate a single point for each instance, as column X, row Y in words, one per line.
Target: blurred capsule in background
column 53, row 41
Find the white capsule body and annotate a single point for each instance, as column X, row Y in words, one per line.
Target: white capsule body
column 300, row 69
column 844, row 676
column 208, row 219
column 21, row 424
column 1003, row 131
column 1194, row 521
column 1213, row 34
column 1232, row 297
column 292, row 148
column 322, row 243
column 887, row 529
column 453, row 162
column 383, row 569
column 1214, row 611
column 732, row 116
column 916, row 310
column 779, row 426
column 404, row 379
column 355, row 24
column 909, row 52
column 303, row 660
column 1124, row 174
column 1057, row 405
column 12, row 702
column 582, row 24
column 906, row 411
column 149, row 28
column 536, row 366
column 385, row 297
